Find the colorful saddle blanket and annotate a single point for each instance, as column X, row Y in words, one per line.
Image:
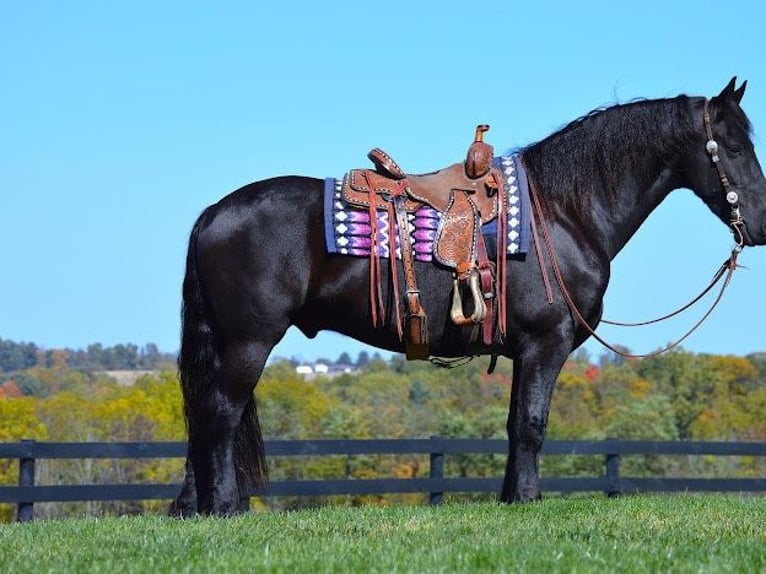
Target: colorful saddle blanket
column 347, row 228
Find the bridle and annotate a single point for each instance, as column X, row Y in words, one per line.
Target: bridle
column 732, row 197
column 725, row 271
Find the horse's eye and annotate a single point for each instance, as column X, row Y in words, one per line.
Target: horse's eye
column 733, row 148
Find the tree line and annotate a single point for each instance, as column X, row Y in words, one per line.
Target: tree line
column 676, row 396
column 19, row 356
column 25, row 368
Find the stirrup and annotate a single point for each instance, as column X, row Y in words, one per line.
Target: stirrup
column 480, row 308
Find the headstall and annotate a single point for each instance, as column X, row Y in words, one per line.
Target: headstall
column 732, row 197
column 725, row 272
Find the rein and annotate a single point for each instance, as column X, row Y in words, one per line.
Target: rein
column 725, row 271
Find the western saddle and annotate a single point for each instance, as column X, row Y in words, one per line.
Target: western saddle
column 467, row 195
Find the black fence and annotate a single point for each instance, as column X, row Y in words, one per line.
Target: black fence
column 26, row 493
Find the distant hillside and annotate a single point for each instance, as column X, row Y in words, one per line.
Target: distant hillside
column 16, row 356
column 127, row 378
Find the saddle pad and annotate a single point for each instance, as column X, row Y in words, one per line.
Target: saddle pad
column 347, row 228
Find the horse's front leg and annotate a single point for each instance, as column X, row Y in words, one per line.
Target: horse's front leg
column 534, row 376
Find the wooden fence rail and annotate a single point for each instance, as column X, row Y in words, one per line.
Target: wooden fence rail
column 26, row 493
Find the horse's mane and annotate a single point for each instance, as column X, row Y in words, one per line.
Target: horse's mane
column 597, row 149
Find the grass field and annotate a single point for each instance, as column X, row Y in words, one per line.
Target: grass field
column 630, row 534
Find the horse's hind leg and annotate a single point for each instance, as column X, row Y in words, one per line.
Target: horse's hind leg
column 227, row 435
column 186, row 502
column 225, row 451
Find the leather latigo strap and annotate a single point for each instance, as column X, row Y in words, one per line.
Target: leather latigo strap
column 487, row 289
column 416, row 341
column 376, row 279
column 394, row 266
column 501, row 283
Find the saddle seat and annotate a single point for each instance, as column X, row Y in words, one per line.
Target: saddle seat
column 466, row 195
column 435, row 189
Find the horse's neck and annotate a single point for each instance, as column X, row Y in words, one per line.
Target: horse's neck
column 617, row 214
column 606, row 183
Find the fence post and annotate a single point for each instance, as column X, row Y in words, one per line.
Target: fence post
column 612, row 464
column 25, row 511
column 436, row 470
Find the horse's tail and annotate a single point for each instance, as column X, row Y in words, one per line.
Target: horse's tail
column 200, row 360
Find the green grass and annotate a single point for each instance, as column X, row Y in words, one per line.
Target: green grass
column 631, row 534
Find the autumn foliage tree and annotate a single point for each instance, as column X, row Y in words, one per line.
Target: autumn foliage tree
column 18, row 420
column 678, row 395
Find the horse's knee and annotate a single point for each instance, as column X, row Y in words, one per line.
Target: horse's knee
column 532, row 430
column 527, row 429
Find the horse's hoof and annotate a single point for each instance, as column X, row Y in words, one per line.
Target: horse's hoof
column 532, row 495
column 182, row 509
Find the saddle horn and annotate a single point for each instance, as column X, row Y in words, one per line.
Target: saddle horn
column 478, row 160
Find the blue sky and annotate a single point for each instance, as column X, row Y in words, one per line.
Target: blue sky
column 120, row 122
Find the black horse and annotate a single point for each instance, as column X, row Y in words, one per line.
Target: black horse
column 257, row 264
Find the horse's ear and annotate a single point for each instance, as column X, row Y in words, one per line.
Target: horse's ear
column 728, row 91
column 739, row 92
column 731, row 93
